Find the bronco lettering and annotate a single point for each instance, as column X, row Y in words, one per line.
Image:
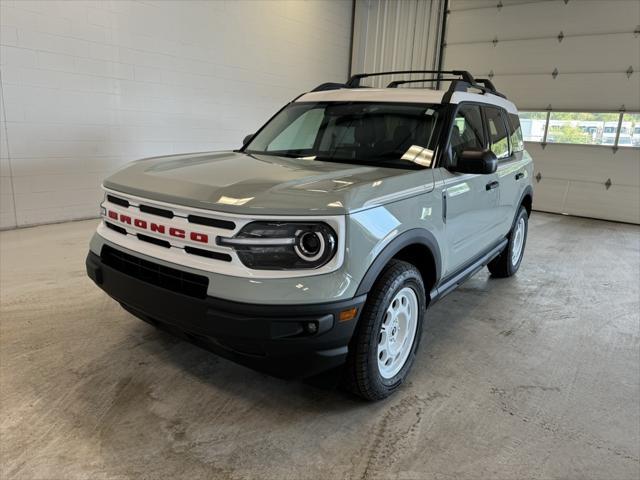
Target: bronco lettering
column 158, row 228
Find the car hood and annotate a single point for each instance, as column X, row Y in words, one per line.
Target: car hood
column 236, row 182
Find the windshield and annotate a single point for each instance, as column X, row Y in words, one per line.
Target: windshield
column 384, row 134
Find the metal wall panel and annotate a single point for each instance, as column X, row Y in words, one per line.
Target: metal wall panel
column 395, row 35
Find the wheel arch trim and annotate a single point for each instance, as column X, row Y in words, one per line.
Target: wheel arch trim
column 415, row 236
column 527, row 192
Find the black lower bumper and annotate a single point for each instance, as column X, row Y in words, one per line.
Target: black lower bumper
column 278, row 339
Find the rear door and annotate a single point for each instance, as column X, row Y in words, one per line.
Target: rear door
column 506, row 142
column 470, row 200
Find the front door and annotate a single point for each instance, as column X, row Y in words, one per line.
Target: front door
column 470, row 201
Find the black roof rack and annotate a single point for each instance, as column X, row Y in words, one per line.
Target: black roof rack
column 354, row 81
column 488, row 84
column 329, row 86
column 395, row 83
column 462, row 83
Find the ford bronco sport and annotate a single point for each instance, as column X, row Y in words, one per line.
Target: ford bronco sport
column 325, row 237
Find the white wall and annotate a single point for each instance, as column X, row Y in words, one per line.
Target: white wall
column 89, row 85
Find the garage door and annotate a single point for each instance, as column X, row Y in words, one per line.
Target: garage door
column 573, row 69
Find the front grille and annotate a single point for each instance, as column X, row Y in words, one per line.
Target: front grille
column 161, row 212
column 224, row 257
column 165, row 277
column 118, row 201
column 155, row 241
column 211, row 222
column 115, row 228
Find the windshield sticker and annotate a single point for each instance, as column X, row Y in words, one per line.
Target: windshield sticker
column 419, row 155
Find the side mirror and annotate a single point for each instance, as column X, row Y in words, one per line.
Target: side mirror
column 475, row 161
column 247, row 139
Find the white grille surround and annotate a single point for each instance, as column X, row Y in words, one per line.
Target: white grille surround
column 180, row 251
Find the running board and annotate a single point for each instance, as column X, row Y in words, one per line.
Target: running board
column 451, row 284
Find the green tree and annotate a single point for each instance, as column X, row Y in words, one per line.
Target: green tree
column 533, row 115
column 586, row 116
column 568, row 134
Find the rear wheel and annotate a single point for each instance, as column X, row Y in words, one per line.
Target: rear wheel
column 508, row 262
column 384, row 345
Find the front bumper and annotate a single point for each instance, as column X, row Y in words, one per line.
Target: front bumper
column 270, row 338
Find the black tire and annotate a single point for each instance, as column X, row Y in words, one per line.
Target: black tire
column 503, row 265
column 363, row 376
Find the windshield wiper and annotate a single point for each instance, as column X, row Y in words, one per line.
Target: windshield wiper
column 389, row 162
column 278, row 154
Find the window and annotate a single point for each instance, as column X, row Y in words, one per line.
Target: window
column 498, row 134
column 582, row 128
column 517, row 142
column 300, row 134
column 466, row 133
column 386, row 134
column 533, row 124
column 630, row 132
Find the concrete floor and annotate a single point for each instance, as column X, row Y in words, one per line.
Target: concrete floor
column 532, row 377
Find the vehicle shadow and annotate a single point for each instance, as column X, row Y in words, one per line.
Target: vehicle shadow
column 324, row 391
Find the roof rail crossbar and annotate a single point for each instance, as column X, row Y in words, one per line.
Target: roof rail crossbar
column 457, row 85
column 487, row 83
column 395, row 83
column 489, row 86
column 328, row 86
column 354, row 81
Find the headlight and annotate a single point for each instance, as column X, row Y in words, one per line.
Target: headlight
column 283, row 245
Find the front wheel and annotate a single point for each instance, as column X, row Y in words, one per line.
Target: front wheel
column 384, row 345
column 508, row 262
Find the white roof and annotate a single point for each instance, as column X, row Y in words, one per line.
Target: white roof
column 412, row 95
column 417, row 95
column 459, row 97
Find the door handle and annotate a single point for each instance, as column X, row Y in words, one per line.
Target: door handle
column 444, row 206
column 519, row 176
column 492, row 185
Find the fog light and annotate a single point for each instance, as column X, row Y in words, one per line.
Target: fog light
column 311, row 327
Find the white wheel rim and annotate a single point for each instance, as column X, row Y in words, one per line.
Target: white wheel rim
column 518, row 242
column 397, row 332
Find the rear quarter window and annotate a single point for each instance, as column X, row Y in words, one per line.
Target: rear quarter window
column 517, row 141
column 498, row 133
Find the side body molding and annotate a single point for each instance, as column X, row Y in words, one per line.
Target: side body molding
column 414, row 236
